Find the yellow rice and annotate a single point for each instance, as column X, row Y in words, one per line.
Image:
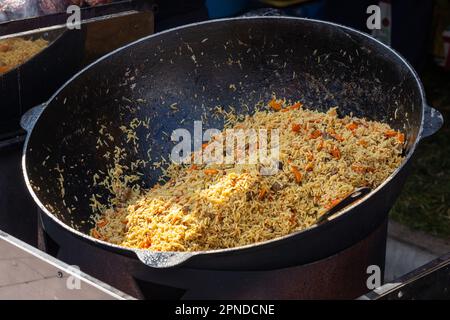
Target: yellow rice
column 323, row 158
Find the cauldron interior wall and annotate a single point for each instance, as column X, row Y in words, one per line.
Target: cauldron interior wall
column 229, row 63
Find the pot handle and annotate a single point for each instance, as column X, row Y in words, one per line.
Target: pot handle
column 29, row 118
column 433, row 121
column 357, row 194
column 163, row 259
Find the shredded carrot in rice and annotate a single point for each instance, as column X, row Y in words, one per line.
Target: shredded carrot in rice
column 352, row 126
column 390, row 133
column 275, row 104
column 401, row 138
column 296, row 127
column 102, row 222
column 315, row 134
column 210, row 171
column 297, row 174
column 262, row 193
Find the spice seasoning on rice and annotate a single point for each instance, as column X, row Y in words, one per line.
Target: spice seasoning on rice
column 15, row 51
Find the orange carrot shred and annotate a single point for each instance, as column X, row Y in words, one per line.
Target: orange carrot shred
column 352, row 126
column 211, row 171
column 193, row 167
column 297, row 174
column 320, row 145
column 335, row 152
column 401, row 138
column 95, row 234
column 102, row 222
column 362, row 142
column 390, row 133
column 262, row 193
column 338, row 137
column 333, row 203
column 146, row 243
column 4, row 69
column 296, row 127
column 315, row 134
column 275, row 105
column 295, row 106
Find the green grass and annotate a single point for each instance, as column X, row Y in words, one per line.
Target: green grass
column 425, row 201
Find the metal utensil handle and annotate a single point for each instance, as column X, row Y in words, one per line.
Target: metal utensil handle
column 163, row 259
column 433, row 121
column 352, row 197
column 30, row 117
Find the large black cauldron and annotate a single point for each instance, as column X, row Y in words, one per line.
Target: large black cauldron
column 195, row 66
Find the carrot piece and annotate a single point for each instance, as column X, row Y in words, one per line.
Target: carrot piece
column 358, row 169
column 96, row 234
column 338, row 137
column 295, row 106
column 211, row 171
column 296, row 127
column 146, row 243
column 335, row 152
column 102, row 222
column 5, row 47
column 352, row 126
column 401, row 138
column 275, row 105
column 4, row 69
column 298, row 176
column 262, row 193
column 320, row 145
column 204, row 145
column 362, row 142
column 124, row 221
column 315, row 134
column 192, row 168
column 390, row 133
column 333, row 203
column 292, row 220
column 175, row 219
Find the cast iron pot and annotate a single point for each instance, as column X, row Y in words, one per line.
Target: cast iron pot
column 223, row 62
